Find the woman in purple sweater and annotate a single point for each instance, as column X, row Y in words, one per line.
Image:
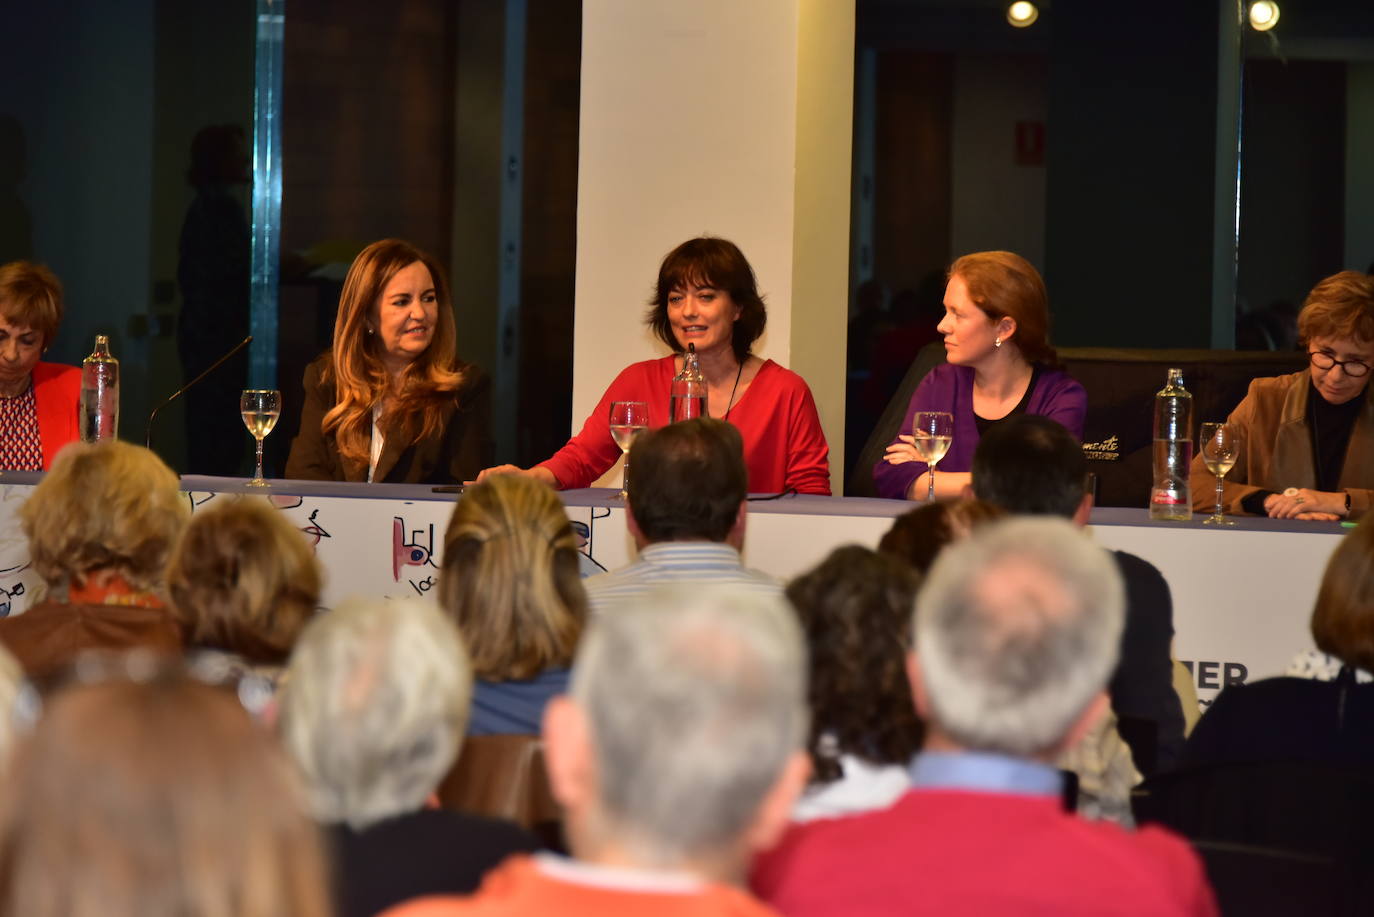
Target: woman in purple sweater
column 999, row 363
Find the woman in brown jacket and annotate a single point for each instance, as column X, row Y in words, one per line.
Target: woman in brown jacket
column 391, row 402
column 1307, row 439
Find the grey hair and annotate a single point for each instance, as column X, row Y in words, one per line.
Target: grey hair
column 1016, row 630
column 695, row 697
column 374, row 707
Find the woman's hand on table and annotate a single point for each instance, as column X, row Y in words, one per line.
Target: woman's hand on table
column 1303, row 503
column 538, row 472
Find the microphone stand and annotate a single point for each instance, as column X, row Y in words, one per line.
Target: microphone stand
column 148, row 439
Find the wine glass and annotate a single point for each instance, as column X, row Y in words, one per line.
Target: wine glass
column 1220, row 447
column 628, row 420
column 932, row 434
column 260, row 409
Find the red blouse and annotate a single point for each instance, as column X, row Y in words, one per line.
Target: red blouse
column 784, row 446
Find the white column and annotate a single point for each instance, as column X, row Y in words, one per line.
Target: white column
column 724, row 117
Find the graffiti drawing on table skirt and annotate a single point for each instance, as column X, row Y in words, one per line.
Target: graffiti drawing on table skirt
column 312, row 530
column 199, row 498
column 412, row 548
column 586, row 564
column 20, row 586
column 6, row 597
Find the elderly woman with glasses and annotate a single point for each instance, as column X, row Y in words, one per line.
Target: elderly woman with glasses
column 1307, row 439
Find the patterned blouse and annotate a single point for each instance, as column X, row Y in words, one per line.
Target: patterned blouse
column 1319, row 666
column 21, row 449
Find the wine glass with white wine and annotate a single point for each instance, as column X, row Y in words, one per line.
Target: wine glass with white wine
column 931, row 434
column 628, row 420
column 1220, row 448
column 260, row 409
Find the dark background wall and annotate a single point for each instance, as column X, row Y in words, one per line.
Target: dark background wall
column 1130, row 178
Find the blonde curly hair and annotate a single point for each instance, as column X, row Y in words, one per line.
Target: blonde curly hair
column 104, row 506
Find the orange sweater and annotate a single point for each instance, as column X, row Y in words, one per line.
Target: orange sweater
column 519, row 886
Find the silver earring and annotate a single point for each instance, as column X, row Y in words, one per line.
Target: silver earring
column 997, row 342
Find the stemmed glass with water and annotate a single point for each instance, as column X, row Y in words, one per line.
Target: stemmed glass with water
column 260, row 409
column 931, row 435
column 628, row 420
column 1220, row 443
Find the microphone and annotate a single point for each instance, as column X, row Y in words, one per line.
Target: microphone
column 148, row 439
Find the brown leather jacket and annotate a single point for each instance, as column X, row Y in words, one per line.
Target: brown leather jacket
column 50, row 635
column 1276, row 448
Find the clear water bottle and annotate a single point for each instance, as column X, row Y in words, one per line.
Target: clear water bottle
column 98, row 413
column 689, row 389
column 1170, row 497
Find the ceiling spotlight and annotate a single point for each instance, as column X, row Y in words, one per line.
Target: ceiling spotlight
column 1022, row 13
column 1264, row 15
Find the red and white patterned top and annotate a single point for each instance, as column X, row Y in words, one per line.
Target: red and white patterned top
column 21, row 448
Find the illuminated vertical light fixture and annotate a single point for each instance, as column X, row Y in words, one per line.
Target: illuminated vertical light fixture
column 1022, row 13
column 1264, row 15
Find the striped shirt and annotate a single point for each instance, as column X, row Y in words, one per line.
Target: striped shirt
column 705, row 562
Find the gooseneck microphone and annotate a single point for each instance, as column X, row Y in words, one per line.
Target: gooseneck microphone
column 148, row 439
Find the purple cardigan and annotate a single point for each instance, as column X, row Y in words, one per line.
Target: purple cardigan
column 950, row 388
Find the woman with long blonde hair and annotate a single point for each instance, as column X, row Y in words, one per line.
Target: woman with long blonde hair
column 510, row 582
column 391, row 401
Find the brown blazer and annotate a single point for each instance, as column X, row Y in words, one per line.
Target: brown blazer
column 456, row 454
column 1276, row 448
column 50, row 635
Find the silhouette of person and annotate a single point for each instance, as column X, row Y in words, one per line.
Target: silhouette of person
column 16, row 227
column 213, row 268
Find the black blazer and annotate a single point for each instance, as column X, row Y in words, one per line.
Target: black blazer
column 1149, row 715
column 456, row 454
column 430, row 852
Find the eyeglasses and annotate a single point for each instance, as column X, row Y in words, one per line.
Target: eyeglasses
column 1352, row 368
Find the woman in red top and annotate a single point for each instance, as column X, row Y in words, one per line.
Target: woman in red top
column 706, row 296
column 37, row 400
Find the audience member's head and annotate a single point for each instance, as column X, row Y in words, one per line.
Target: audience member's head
column 680, row 746
column 156, row 797
column 688, row 482
column 1343, row 618
column 855, row 608
column 1340, row 307
column 1030, row 465
column 510, row 578
column 108, row 507
column 244, row 580
column 31, row 298
column 1017, row 629
column 374, row 708
column 918, row 535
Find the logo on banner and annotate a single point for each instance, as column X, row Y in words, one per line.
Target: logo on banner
column 1209, row 675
